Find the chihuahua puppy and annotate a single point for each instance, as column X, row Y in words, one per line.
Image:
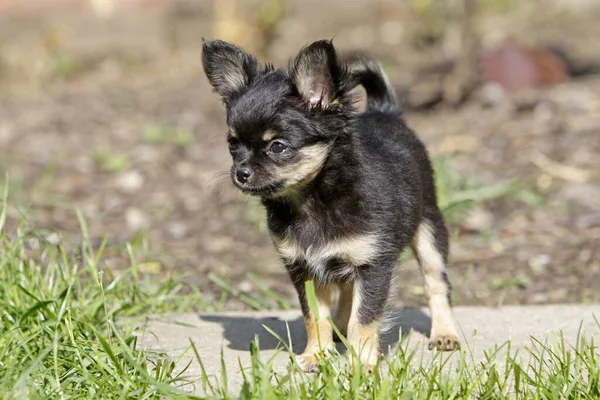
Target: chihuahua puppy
column 345, row 193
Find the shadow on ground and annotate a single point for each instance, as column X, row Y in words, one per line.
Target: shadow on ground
column 240, row 331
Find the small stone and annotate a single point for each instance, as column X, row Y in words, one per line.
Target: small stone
column 178, row 230
column 492, row 94
column 539, row 263
column 245, row 286
column 477, row 220
column 53, row 238
column 544, row 112
column 130, row 181
column 136, row 219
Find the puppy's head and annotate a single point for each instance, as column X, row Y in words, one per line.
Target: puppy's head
column 282, row 122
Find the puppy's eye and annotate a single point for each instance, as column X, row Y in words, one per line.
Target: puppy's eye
column 278, row 147
column 233, row 142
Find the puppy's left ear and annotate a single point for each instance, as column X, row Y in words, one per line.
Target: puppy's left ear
column 317, row 74
column 228, row 68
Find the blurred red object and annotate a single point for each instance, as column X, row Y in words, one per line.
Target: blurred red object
column 517, row 67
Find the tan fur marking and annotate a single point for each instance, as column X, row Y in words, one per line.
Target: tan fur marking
column 233, row 133
column 354, row 250
column 344, row 308
column 365, row 341
column 320, row 336
column 363, row 338
column 432, row 266
column 319, row 333
column 312, row 159
column 268, row 135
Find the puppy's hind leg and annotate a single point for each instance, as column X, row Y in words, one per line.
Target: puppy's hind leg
column 430, row 245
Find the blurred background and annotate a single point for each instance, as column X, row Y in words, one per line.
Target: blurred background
column 104, row 109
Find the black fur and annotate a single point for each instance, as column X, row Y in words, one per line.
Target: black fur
column 376, row 176
column 368, row 73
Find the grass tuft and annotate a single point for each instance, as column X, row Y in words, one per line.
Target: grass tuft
column 68, row 323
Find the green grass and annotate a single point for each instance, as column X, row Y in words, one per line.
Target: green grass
column 111, row 161
column 69, row 330
column 550, row 370
column 458, row 193
column 68, row 325
column 157, row 134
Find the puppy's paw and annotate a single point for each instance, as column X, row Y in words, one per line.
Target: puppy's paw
column 368, row 358
column 446, row 342
column 308, row 362
column 367, row 361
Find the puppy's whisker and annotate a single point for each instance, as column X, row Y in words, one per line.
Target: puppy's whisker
column 218, row 183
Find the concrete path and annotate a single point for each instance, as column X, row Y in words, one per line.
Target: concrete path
column 482, row 328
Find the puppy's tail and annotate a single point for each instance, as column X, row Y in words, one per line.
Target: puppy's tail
column 367, row 72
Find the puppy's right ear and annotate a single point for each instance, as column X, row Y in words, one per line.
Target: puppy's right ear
column 317, row 74
column 228, row 68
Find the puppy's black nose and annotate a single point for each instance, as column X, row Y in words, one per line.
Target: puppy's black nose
column 242, row 174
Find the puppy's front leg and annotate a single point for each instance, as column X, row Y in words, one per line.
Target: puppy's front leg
column 344, row 308
column 319, row 332
column 370, row 297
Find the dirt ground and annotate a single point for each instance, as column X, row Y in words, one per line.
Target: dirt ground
column 121, row 123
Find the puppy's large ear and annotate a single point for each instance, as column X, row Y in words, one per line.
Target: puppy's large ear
column 317, row 74
column 228, row 68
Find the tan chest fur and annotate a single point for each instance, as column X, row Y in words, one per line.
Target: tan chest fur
column 352, row 250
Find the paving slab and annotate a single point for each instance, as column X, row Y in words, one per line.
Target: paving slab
column 231, row 333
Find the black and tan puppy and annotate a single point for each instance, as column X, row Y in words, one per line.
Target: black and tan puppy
column 344, row 192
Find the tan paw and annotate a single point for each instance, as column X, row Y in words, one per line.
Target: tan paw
column 367, row 360
column 370, row 366
column 308, row 362
column 444, row 342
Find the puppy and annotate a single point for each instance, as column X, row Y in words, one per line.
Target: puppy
column 345, row 193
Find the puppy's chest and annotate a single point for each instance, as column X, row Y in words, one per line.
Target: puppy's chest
column 325, row 255
column 335, row 258
column 328, row 241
